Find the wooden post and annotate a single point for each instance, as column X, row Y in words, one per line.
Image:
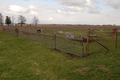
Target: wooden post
column 87, row 45
column 116, row 39
column 54, row 39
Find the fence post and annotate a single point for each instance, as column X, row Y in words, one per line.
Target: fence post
column 82, row 46
column 3, row 30
column 54, row 39
column 16, row 32
column 116, row 39
column 87, row 45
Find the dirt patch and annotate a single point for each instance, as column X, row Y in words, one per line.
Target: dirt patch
column 102, row 67
column 109, row 73
column 83, row 70
column 38, row 71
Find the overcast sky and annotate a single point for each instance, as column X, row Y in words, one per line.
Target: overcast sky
column 93, row 12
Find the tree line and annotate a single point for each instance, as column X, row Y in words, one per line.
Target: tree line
column 21, row 20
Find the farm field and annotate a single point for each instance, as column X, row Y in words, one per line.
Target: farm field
column 22, row 60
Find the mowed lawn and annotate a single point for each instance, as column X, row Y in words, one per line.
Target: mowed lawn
column 25, row 60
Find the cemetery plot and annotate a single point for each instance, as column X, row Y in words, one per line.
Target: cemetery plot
column 73, row 42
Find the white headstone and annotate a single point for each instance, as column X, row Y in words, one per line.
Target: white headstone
column 69, row 35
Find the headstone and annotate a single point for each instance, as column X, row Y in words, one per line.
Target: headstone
column 60, row 31
column 69, row 35
column 101, row 30
column 39, row 31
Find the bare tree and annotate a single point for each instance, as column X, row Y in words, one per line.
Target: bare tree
column 1, row 19
column 13, row 20
column 35, row 20
column 21, row 19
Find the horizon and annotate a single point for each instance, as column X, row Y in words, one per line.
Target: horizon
column 82, row 12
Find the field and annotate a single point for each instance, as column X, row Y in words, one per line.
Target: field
column 25, row 60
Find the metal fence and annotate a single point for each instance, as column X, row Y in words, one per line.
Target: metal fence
column 11, row 32
column 103, row 41
column 65, row 44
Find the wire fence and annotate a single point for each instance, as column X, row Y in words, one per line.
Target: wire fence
column 65, row 44
column 103, row 41
column 95, row 42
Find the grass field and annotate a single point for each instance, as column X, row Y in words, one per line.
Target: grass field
column 24, row 60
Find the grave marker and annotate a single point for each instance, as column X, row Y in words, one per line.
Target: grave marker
column 60, row 31
column 69, row 35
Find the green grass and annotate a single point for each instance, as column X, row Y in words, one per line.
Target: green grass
column 25, row 60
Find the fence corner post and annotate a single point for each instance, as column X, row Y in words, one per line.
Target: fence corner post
column 54, row 39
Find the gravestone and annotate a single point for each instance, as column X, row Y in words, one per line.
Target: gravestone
column 60, row 31
column 69, row 35
column 39, row 31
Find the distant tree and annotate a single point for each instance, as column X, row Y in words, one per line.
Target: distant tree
column 8, row 20
column 13, row 20
column 35, row 20
column 21, row 19
column 1, row 19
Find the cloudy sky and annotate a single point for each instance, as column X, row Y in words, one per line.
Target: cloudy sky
column 93, row 12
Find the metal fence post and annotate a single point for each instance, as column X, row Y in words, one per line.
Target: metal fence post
column 87, row 45
column 82, row 46
column 54, row 39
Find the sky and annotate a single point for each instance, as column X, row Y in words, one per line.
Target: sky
column 89, row 12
